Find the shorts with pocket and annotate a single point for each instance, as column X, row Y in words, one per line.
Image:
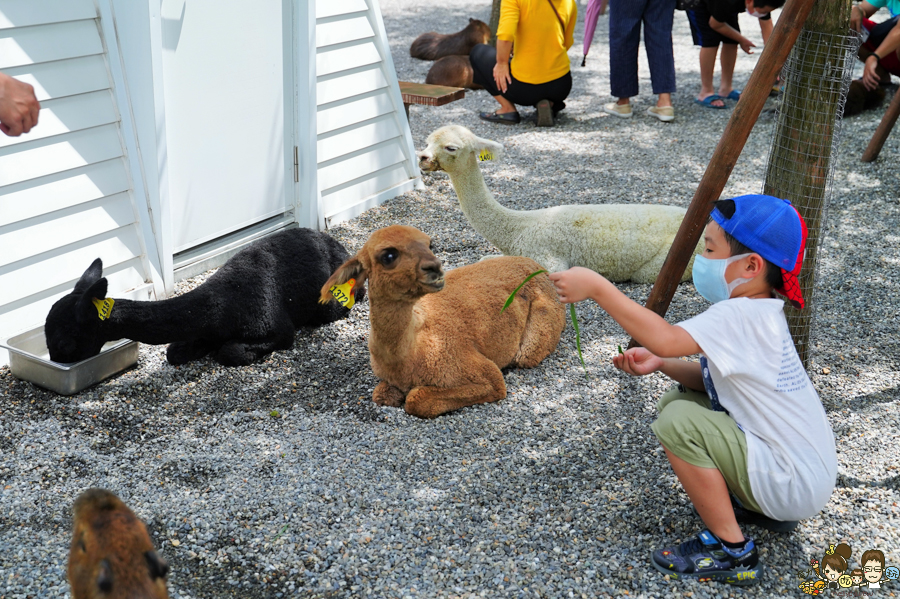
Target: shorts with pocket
column 689, row 428
column 704, row 35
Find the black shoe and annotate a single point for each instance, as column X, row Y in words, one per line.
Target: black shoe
column 507, row 118
column 745, row 516
column 705, row 558
column 544, row 114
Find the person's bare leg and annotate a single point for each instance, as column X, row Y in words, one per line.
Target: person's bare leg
column 505, row 105
column 708, row 492
column 623, row 101
column 707, row 66
column 729, row 57
column 664, row 100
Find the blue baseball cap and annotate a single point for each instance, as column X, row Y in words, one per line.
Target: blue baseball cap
column 772, row 228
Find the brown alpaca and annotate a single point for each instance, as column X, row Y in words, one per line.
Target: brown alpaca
column 111, row 556
column 444, row 351
column 859, row 98
column 455, row 71
column 433, row 45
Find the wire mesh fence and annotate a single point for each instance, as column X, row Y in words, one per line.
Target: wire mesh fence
column 815, row 81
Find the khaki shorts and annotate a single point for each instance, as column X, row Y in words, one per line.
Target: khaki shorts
column 688, row 427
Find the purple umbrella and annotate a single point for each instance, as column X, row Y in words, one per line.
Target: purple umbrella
column 595, row 9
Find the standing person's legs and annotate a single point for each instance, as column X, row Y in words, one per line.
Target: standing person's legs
column 624, row 40
column 708, row 40
column 729, row 57
column 658, row 43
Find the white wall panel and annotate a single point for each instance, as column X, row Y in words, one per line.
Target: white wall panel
column 331, row 8
column 364, row 147
column 24, row 13
column 350, row 140
column 64, row 227
column 72, row 113
column 61, row 190
column 47, row 156
column 31, row 45
column 345, row 86
column 64, row 77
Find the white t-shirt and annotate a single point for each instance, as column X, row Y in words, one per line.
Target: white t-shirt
column 753, row 368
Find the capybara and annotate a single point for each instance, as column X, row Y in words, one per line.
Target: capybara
column 111, row 556
column 455, row 71
column 859, row 98
column 433, row 45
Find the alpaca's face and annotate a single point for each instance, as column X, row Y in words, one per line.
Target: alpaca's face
column 453, row 149
column 72, row 328
column 400, row 263
column 70, row 336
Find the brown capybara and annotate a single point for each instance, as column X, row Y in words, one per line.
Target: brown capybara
column 111, row 556
column 432, row 45
column 455, row 71
column 859, row 98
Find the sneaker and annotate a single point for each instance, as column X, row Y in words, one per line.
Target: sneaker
column 663, row 113
column 544, row 114
column 745, row 516
column 623, row 111
column 705, row 558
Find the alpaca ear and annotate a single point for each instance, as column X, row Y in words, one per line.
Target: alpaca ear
column 86, row 311
column 159, row 568
column 486, row 149
column 90, row 276
column 351, row 269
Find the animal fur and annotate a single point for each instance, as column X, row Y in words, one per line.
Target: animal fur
column 111, row 556
column 620, row 241
column 439, row 341
column 859, row 98
column 433, row 45
column 249, row 308
column 454, row 71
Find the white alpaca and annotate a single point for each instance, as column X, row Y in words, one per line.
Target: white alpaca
column 620, row 241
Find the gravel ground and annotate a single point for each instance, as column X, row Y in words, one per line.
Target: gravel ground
column 560, row 490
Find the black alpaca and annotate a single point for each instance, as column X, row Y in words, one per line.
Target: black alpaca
column 249, row 308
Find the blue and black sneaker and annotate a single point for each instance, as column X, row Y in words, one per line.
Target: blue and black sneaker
column 706, row 558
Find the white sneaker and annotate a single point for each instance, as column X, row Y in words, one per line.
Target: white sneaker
column 623, row 111
column 663, row 113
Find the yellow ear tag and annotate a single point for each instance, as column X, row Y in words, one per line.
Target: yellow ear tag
column 104, row 307
column 485, row 155
column 344, row 293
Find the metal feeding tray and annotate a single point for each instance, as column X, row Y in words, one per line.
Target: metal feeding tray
column 29, row 360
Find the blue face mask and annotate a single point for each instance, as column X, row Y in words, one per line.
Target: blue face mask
column 709, row 278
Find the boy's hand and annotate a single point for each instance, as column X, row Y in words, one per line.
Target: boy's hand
column 746, row 45
column 575, row 284
column 638, row 361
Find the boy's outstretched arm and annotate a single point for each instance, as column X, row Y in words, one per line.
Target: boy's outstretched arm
column 638, row 361
column 646, row 326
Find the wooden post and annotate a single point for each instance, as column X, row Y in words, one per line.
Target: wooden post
column 743, row 117
column 495, row 21
column 884, row 129
column 800, row 163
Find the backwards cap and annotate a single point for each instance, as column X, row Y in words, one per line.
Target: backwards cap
column 772, row 228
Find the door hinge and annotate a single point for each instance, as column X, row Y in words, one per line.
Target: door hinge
column 296, row 167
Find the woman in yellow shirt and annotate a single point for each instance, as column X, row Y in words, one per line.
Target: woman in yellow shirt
column 540, row 32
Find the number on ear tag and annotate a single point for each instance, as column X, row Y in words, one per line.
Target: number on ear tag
column 485, row 154
column 344, row 293
column 104, row 307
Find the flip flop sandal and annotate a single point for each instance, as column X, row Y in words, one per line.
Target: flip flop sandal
column 733, row 95
column 507, row 118
column 708, row 102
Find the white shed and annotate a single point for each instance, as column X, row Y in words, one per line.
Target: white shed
column 173, row 132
